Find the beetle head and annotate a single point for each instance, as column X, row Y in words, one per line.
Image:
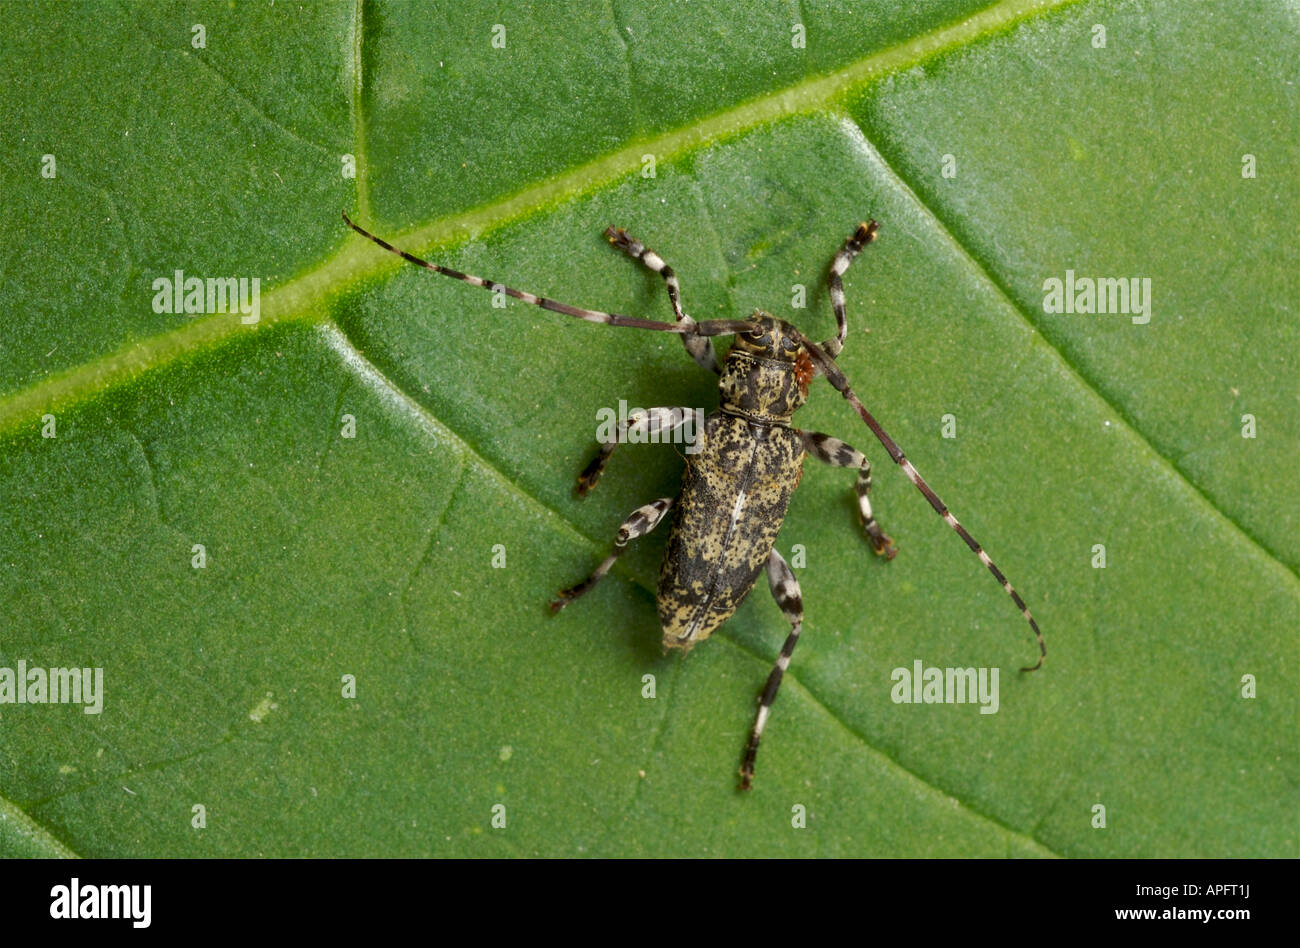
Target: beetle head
column 771, row 338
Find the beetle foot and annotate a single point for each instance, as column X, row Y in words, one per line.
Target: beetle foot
column 590, row 475
column 620, row 239
column 881, row 544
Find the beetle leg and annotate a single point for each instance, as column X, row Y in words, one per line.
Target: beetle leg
column 840, row 454
column 700, row 347
column 840, row 382
column 642, row 521
column 864, row 235
column 785, row 590
column 653, row 426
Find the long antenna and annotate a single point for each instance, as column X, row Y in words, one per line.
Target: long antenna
column 710, row 327
column 837, row 378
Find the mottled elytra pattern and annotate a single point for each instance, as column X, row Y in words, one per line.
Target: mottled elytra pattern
column 746, row 464
column 734, row 496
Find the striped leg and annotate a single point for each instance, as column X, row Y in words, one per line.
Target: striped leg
column 837, row 378
column 710, row 327
column 700, row 348
column 785, row 590
column 839, row 454
column 644, row 426
column 643, row 520
column 864, row 235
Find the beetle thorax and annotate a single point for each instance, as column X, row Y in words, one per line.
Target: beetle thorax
column 766, row 375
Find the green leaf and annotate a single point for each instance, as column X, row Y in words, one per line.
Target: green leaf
column 372, row 556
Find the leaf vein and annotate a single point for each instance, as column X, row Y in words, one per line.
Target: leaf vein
column 986, row 274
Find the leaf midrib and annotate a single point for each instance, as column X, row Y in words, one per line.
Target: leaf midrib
column 305, row 297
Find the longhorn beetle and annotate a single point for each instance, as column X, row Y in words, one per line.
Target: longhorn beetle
column 737, row 486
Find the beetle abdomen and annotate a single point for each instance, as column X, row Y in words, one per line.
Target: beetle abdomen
column 734, row 496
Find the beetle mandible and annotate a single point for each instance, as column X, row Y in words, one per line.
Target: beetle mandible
column 737, row 486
